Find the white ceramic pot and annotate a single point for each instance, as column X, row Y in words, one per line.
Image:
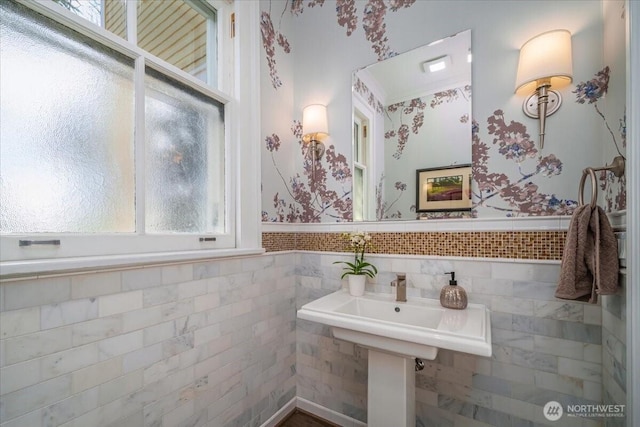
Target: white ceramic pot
column 356, row 284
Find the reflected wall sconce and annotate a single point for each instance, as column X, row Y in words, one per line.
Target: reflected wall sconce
column 315, row 127
column 545, row 64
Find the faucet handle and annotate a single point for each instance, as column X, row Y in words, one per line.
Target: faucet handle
column 400, row 277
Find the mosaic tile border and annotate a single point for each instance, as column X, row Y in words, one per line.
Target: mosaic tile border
column 537, row 245
column 280, row 241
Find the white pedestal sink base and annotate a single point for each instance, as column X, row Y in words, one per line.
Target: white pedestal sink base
column 391, row 391
column 394, row 333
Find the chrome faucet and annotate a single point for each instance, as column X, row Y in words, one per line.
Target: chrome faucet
column 401, row 287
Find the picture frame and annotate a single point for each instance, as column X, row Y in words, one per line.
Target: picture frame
column 443, row 189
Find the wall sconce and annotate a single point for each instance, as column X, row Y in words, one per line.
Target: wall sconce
column 545, row 63
column 314, row 127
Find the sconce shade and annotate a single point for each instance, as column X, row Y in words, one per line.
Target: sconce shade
column 314, row 120
column 545, row 57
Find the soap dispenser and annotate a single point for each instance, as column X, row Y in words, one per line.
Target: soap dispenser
column 452, row 295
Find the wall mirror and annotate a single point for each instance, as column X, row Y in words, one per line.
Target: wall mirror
column 410, row 112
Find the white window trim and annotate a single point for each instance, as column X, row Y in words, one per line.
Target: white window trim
column 242, row 160
column 364, row 110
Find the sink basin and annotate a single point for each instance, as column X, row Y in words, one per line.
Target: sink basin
column 416, row 328
column 395, row 333
column 409, row 314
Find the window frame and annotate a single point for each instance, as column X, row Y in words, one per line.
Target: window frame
column 238, row 93
column 359, row 154
column 364, row 115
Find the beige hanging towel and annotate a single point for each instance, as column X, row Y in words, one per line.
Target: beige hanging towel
column 590, row 259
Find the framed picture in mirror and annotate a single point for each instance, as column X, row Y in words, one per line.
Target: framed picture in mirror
column 446, row 188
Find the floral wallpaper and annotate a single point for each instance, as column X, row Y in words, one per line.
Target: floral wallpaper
column 386, row 206
column 514, row 143
column 365, row 93
column 512, row 177
column 309, row 197
column 322, row 192
column 590, row 93
column 322, row 189
column 373, row 23
column 521, row 194
column 413, row 111
column 414, row 138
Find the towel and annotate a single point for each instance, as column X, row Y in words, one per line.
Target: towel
column 590, row 259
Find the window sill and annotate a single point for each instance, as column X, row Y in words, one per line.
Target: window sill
column 46, row 267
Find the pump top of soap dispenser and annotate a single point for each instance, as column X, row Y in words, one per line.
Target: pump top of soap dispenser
column 452, row 295
column 453, row 281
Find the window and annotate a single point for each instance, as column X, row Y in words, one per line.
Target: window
column 360, row 166
column 64, row 166
column 180, row 32
column 184, row 156
column 113, row 146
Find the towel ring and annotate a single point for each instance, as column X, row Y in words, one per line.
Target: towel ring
column 594, row 187
column 616, row 167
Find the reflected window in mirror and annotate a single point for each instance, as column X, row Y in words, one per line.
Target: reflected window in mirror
column 361, row 188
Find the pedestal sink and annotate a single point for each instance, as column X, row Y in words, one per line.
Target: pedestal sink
column 396, row 333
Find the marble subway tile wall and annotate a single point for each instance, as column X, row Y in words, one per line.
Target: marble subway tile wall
column 543, row 348
column 199, row 344
column 330, row 372
column 614, row 351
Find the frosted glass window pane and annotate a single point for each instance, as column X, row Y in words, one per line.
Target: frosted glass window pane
column 174, row 31
column 108, row 14
column 184, row 134
column 66, row 157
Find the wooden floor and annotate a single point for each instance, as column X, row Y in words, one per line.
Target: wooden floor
column 300, row 418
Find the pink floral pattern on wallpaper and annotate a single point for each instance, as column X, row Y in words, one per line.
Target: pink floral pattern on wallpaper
column 347, row 18
column 373, row 25
column 412, row 110
column 451, row 95
column 514, row 143
column 375, row 28
column 590, row 92
column 522, row 195
column 269, row 38
column 297, row 6
column 516, row 192
column 311, row 199
column 384, row 208
column 365, row 93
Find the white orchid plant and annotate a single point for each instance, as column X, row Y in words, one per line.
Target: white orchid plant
column 358, row 242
